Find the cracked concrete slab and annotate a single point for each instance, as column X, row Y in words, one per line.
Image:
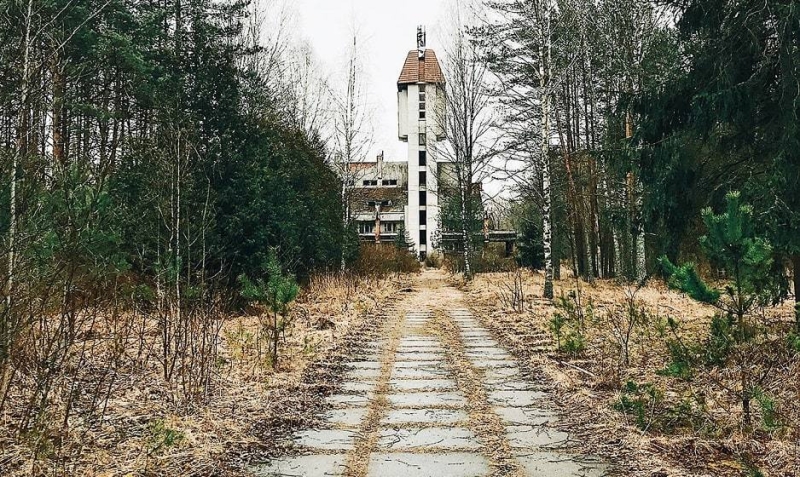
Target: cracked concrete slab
column 554, row 464
column 349, row 417
column 516, row 398
column 418, row 373
column 414, row 356
column 326, row 439
column 427, row 399
column 362, row 374
column 524, row 416
column 348, row 400
column 455, row 438
column 451, row 464
column 423, row 384
column 532, row 437
column 425, row 416
column 358, row 387
column 323, row 465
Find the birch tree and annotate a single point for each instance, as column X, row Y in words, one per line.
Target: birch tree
column 521, row 37
column 352, row 138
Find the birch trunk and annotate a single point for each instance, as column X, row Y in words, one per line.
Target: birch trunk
column 465, row 233
column 547, row 231
column 22, row 145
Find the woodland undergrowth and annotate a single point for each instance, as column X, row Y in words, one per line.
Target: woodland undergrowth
column 116, row 390
column 639, row 364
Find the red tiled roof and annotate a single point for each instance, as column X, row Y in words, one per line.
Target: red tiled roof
column 421, row 71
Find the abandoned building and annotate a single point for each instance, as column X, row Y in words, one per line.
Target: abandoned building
column 390, row 197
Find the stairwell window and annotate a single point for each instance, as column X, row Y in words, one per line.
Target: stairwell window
column 423, row 140
column 423, row 197
column 423, row 158
column 423, row 179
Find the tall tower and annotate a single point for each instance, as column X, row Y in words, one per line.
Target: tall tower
column 420, row 108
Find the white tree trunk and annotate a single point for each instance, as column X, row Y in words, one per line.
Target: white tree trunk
column 21, row 141
column 465, row 232
column 547, row 230
column 641, row 259
column 547, row 227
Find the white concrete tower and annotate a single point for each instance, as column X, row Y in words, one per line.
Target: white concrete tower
column 420, row 106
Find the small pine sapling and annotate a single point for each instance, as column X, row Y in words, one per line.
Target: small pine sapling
column 276, row 294
column 732, row 245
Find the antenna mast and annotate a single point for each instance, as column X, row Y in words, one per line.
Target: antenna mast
column 421, row 37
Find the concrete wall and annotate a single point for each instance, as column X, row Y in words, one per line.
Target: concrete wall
column 408, row 109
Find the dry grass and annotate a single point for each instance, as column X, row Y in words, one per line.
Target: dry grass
column 368, row 435
column 702, row 439
column 483, row 419
column 147, row 430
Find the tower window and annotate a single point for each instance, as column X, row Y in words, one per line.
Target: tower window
column 422, row 139
column 423, row 179
column 422, row 114
column 423, row 217
column 422, row 88
column 423, row 197
column 423, row 157
column 423, row 237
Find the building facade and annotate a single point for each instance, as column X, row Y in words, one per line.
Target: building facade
column 389, row 193
column 420, row 110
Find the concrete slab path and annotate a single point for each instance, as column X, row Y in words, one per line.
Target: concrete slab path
column 437, row 396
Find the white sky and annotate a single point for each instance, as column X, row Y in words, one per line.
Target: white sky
column 387, row 31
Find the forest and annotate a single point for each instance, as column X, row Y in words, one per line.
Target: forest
column 174, row 202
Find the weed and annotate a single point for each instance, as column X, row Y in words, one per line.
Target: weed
column 770, row 421
column 793, row 342
column 641, row 401
column 163, row 437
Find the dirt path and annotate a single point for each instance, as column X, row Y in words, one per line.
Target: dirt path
column 436, row 396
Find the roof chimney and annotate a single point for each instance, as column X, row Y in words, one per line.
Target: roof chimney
column 421, row 41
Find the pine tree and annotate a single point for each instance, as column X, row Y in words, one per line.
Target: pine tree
column 733, row 246
column 276, row 293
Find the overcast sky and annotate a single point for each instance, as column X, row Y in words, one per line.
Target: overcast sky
column 387, row 31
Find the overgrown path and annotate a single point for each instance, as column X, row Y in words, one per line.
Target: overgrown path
column 435, row 396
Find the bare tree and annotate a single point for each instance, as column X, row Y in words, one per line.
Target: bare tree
column 352, row 138
column 468, row 121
